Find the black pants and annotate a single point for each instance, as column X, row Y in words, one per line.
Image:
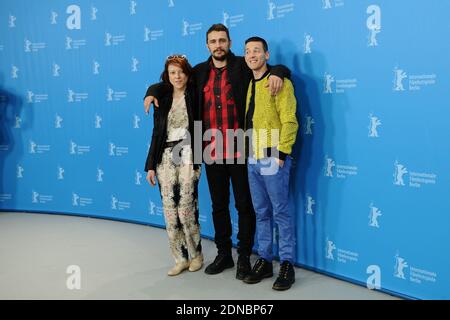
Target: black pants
column 219, row 176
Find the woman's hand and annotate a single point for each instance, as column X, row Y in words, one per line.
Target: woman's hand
column 151, row 175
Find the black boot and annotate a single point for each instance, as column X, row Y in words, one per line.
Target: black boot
column 243, row 267
column 286, row 277
column 262, row 269
column 221, row 263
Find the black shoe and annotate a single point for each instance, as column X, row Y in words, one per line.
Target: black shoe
column 286, row 277
column 262, row 269
column 243, row 267
column 221, row 263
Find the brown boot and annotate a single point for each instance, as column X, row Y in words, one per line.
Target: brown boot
column 196, row 263
column 178, row 268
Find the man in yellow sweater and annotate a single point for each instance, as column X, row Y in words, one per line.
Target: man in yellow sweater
column 274, row 126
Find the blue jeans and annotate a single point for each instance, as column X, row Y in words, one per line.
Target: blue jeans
column 269, row 187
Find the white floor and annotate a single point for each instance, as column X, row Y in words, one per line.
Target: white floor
column 119, row 260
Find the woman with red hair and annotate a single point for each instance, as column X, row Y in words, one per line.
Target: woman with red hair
column 170, row 160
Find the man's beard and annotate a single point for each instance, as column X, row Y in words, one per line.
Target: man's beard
column 222, row 58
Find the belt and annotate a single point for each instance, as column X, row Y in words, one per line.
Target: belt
column 171, row 144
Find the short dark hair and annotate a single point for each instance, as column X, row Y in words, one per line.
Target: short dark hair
column 217, row 27
column 258, row 39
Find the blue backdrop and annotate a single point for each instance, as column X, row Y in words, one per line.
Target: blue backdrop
column 369, row 185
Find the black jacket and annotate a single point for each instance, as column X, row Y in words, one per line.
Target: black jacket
column 239, row 76
column 160, row 115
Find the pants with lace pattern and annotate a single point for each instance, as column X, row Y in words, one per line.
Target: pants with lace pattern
column 178, row 184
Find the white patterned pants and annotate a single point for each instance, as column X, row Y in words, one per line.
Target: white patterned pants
column 178, row 184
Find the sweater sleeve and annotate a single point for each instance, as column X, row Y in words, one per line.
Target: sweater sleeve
column 281, row 71
column 157, row 90
column 150, row 163
column 287, row 107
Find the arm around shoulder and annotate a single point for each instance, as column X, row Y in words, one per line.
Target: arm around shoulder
column 157, row 90
column 281, row 71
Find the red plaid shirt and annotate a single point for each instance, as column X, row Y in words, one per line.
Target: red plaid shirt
column 219, row 110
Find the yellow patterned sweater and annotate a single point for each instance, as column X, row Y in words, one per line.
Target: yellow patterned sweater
column 274, row 120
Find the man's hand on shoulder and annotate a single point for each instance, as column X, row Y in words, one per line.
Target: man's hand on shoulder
column 275, row 84
column 148, row 101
